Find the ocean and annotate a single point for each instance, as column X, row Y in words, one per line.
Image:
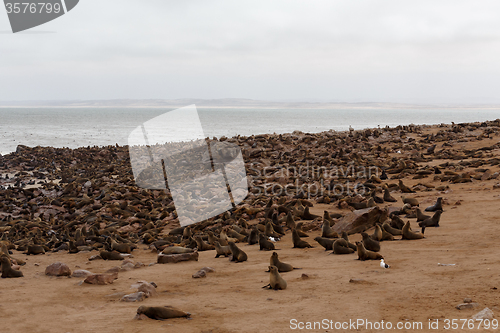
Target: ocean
column 77, row 127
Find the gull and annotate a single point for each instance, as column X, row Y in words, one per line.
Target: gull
column 383, row 264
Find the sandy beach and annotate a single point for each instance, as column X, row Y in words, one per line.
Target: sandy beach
column 327, row 287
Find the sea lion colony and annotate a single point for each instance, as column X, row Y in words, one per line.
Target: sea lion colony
column 85, row 199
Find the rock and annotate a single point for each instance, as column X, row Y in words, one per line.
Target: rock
column 174, row 258
column 304, row 276
column 81, row 273
column 135, row 297
column 113, row 270
column 117, row 296
column 465, row 306
column 208, row 269
column 127, row 267
column 200, row 274
column 58, row 269
column 359, row 220
column 467, row 300
column 486, row 313
column 148, row 289
column 101, row 278
column 139, row 264
column 141, row 317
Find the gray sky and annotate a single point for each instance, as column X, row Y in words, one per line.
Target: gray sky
column 392, row 51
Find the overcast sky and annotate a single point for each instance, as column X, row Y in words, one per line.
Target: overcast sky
column 385, row 51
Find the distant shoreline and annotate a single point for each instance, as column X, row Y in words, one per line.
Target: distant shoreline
column 234, row 104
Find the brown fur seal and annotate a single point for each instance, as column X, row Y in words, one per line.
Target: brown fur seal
column 411, row 201
column 327, row 231
column 327, row 243
column 364, row 254
column 111, row 255
column 122, row 248
column 432, row 221
column 35, row 249
column 297, row 242
column 421, row 216
column 397, row 222
column 161, row 312
column 404, row 188
column 437, row 206
column 7, row 270
column 269, row 231
column 388, row 197
column 202, row 246
column 276, row 282
column 393, row 231
column 222, row 250
column 351, row 245
column 282, row 267
column 176, row 250
column 408, row 234
column 254, row 237
column 377, row 234
column 386, row 236
column 341, row 246
column 237, row 254
column 265, row 244
column 290, row 223
column 370, row 243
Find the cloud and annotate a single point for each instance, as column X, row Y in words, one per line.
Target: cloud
column 282, row 49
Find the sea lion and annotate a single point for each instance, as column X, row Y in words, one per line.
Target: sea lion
column 327, row 231
column 327, row 243
column 282, row 267
column 387, row 196
column 276, row 282
column 411, row 201
column 341, row 246
column 364, row 254
column 297, row 242
column 254, row 237
column 106, row 255
column 222, row 250
column 237, row 254
column 437, row 206
column 421, row 216
column 162, row 312
column 393, row 231
column 265, row 244
column 351, row 245
column 432, row 221
column 370, row 243
column 7, row 270
column 202, row 246
column 408, row 234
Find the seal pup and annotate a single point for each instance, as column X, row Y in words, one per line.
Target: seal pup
column 7, row 270
column 327, row 231
column 437, row 206
column 297, row 242
column 370, row 243
column 276, row 282
column 432, row 221
column 161, row 312
column 222, row 250
column 236, row 253
column 282, row 267
column 341, row 246
column 388, row 197
column 410, row 235
column 327, row 243
column 265, row 244
column 364, row 254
